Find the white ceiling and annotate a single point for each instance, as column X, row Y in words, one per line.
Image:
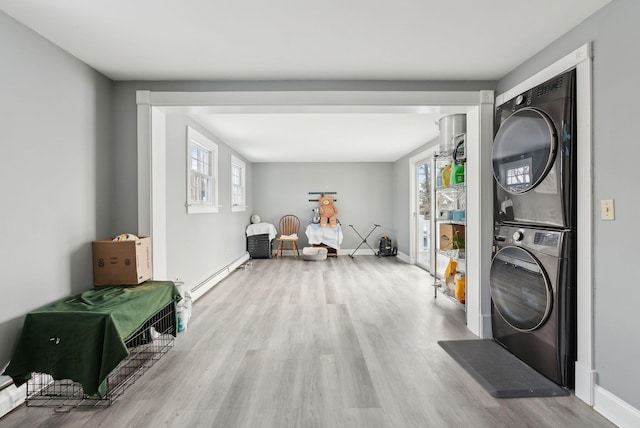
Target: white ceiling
column 326, row 137
column 304, row 40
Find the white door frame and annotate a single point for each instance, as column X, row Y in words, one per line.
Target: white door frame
column 153, row 107
column 413, row 190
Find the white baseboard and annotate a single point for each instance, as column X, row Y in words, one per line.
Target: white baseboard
column 237, row 262
column 360, row 252
column 348, row 251
column 615, row 409
column 206, row 285
column 403, row 257
column 11, row 397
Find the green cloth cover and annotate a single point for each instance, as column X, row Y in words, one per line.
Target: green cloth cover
column 82, row 337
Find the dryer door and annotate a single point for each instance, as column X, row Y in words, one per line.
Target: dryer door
column 524, row 150
column 520, row 288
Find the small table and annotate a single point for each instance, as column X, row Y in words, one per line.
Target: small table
column 325, row 236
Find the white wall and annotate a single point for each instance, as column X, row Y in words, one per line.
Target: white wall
column 55, row 174
column 614, row 32
column 364, row 196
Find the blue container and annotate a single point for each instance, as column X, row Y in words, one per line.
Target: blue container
column 457, row 215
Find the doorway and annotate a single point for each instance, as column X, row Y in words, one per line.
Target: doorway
column 424, row 197
column 153, row 107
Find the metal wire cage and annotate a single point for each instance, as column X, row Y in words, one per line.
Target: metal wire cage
column 146, row 346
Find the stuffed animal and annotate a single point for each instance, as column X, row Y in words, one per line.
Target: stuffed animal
column 328, row 211
column 125, row 237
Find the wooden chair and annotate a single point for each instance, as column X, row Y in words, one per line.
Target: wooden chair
column 289, row 225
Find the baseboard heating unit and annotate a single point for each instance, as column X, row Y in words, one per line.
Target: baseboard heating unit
column 146, row 346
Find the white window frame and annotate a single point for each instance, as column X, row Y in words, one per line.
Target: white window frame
column 197, row 206
column 239, row 204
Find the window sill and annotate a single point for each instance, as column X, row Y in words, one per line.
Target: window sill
column 202, row 209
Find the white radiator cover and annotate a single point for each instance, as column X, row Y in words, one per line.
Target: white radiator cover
column 11, row 396
column 206, row 285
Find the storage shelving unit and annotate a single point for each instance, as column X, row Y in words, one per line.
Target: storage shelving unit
column 450, row 209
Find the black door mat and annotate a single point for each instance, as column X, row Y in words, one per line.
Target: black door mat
column 501, row 373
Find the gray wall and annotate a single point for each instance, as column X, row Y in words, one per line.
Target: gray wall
column 125, row 139
column 364, row 196
column 198, row 245
column 615, row 32
column 55, row 174
column 125, row 131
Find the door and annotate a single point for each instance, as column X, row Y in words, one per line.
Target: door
column 520, row 288
column 524, row 150
column 423, row 175
column 527, row 171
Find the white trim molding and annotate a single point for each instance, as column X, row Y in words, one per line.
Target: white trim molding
column 479, row 239
column 200, row 289
column 143, row 100
column 151, row 213
column 569, row 61
column 616, row 410
column 584, row 281
column 11, row 396
column 403, row 257
column 413, row 187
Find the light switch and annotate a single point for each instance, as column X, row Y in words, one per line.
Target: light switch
column 607, row 210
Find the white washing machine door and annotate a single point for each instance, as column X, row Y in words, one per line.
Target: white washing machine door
column 520, row 289
column 524, row 150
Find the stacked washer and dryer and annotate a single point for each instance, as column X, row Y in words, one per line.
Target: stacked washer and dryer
column 533, row 271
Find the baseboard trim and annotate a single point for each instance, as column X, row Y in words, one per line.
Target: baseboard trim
column 239, row 261
column 615, row 409
column 200, row 289
column 359, row 252
column 348, row 251
column 403, row 257
column 11, row 397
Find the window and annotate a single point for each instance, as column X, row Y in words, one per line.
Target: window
column 516, row 176
column 202, row 167
column 238, row 185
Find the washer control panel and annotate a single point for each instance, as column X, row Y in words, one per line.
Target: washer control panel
column 544, row 241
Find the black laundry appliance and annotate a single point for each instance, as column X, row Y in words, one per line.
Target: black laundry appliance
column 532, row 281
column 534, row 162
column 533, row 271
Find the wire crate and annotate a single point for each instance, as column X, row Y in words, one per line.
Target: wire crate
column 259, row 246
column 146, row 346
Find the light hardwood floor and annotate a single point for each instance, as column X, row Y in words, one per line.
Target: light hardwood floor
column 339, row 343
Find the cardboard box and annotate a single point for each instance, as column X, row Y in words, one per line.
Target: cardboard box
column 448, row 232
column 122, row 262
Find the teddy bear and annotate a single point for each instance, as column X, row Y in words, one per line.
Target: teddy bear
column 328, row 211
